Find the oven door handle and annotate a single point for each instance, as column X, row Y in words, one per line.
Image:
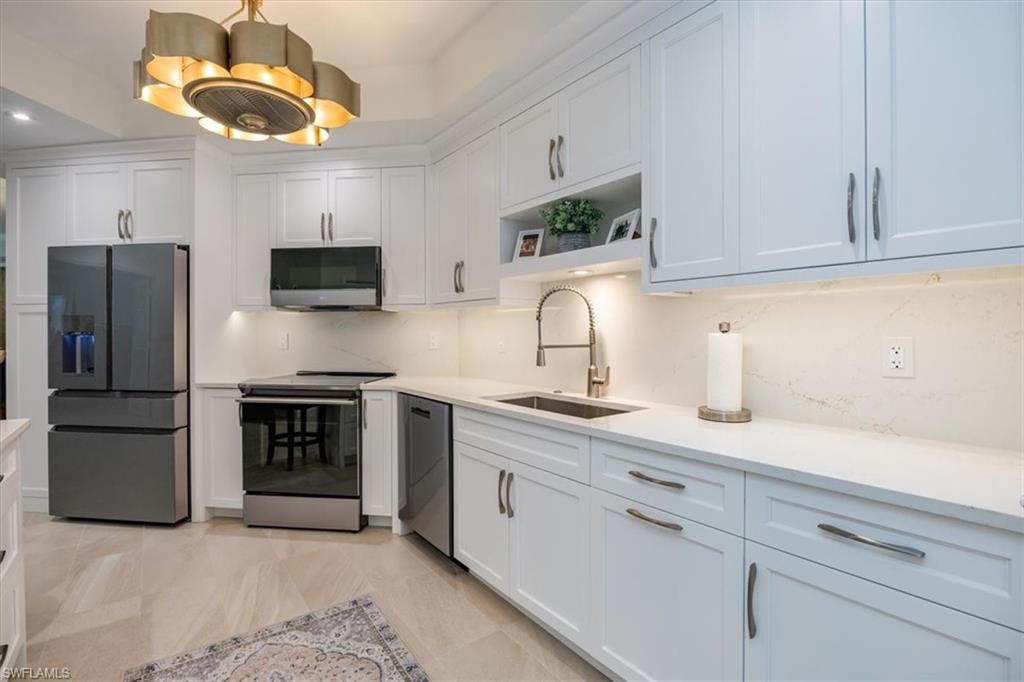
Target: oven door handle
column 295, row 401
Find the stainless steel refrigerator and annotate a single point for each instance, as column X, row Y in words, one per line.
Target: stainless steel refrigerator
column 118, row 359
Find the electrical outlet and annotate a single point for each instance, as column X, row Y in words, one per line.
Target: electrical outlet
column 898, row 357
column 282, row 341
column 432, row 342
column 501, row 346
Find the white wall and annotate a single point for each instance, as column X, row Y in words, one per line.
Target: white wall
column 813, row 353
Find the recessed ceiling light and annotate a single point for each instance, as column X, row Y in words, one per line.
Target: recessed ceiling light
column 580, row 272
column 20, row 116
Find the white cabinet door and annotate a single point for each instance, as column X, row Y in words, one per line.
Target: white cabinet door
column 945, row 105
column 481, row 524
column 448, row 249
column 37, row 218
column 600, row 121
column 549, row 517
column 98, row 197
column 28, row 397
column 479, row 275
column 255, row 216
column 668, row 604
column 403, row 236
column 354, row 205
column 801, row 134
column 221, row 440
column 528, row 153
column 161, row 202
column 302, row 209
column 694, row 184
column 815, row 623
column 378, row 424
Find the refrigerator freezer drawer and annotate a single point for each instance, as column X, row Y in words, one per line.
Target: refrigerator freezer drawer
column 112, row 409
column 119, row 475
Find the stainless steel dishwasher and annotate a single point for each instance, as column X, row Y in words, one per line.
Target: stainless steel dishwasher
column 425, row 469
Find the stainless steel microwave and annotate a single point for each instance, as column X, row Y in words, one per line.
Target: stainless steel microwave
column 326, row 278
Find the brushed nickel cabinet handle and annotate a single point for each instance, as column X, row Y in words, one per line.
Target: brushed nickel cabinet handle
column 461, row 269
column 508, row 495
column 120, row 218
column 501, row 481
column 455, row 277
column 384, row 282
column 551, row 151
column 129, row 224
column 650, row 243
column 751, row 580
column 365, row 426
column 330, row 227
column 851, row 230
column 656, row 481
column 874, row 205
column 558, row 156
column 637, row 514
column 871, row 542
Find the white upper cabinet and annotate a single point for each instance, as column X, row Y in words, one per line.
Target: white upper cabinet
column 37, row 218
column 811, row 622
column 403, row 239
column 161, row 202
column 478, row 277
column 599, row 121
column 448, row 247
column 302, row 209
column 590, row 128
column 802, row 180
column 528, row 144
column 694, row 176
column 353, row 218
column 465, row 223
column 98, row 198
column 255, row 214
column 945, row 103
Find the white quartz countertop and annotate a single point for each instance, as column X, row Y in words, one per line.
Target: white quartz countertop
column 10, row 430
column 977, row 484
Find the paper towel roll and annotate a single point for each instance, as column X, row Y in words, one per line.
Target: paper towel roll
column 725, row 371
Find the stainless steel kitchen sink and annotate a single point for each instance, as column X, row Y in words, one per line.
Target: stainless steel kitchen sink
column 566, row 406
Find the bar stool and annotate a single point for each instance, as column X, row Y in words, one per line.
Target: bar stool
column 294, row 438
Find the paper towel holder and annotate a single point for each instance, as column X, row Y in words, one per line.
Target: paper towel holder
column 725, row 416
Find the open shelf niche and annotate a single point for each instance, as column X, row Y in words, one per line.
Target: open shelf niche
column 613, row 199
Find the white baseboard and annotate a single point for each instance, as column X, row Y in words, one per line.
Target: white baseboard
column 35, row 499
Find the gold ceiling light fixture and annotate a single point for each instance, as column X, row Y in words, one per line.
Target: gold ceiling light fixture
column 250, row 80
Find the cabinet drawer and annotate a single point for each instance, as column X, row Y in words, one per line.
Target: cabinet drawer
column 695, row 490
column 973, row 568
column 10, row 520
column 560, row 452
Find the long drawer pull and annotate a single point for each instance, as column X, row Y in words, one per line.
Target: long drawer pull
column 871, row 542
column 751, row 581
column 508, row 495
column 656, row 481
column 637, row 514
column 501, row 481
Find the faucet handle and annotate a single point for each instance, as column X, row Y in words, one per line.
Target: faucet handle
column 596, row 381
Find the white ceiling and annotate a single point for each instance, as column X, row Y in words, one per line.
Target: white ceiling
column 48, row 127
column 107, row 35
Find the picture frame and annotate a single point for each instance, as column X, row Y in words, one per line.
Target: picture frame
column 626, row 226
column 528, row 244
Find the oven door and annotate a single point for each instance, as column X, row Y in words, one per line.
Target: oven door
column 300, row 446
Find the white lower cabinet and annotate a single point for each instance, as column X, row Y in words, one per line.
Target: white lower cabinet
column 481, row 526
column 812, row 622
column 378, row 418
column 221, row 446
column 549, row 549
column 667, row 603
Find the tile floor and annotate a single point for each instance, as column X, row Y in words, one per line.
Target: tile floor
column 104, row 597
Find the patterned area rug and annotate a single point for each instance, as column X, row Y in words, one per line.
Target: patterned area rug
column 351, row 641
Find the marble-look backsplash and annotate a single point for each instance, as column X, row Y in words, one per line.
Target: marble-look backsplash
column 812, row 352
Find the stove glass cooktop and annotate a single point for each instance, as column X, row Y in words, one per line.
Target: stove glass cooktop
column 328, row 382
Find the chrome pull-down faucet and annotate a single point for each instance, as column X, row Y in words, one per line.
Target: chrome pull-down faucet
column 594, row 380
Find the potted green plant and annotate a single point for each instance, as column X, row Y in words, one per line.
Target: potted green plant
column 572, row 221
